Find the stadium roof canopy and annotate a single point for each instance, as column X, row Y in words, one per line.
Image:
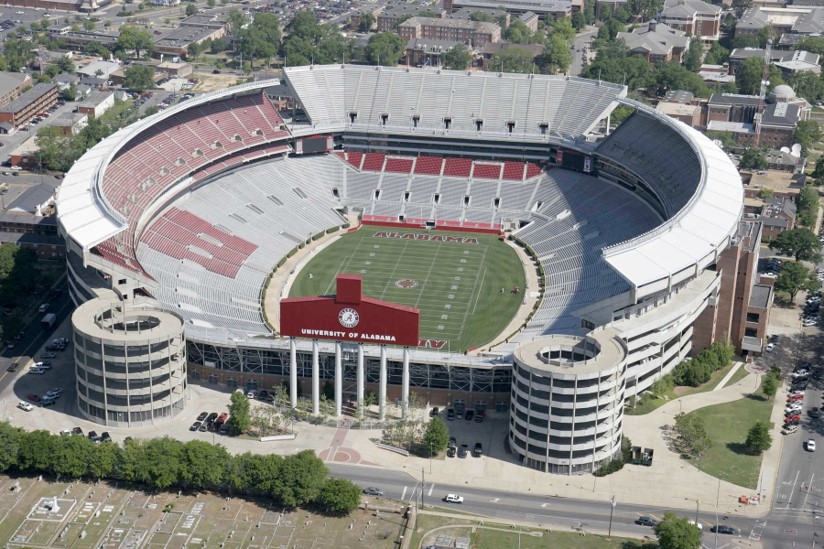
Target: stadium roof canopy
column 431, row 102
column 692, row 238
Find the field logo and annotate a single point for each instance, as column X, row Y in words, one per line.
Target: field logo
column 406, row 283
column 432, row 343
column 425, row 236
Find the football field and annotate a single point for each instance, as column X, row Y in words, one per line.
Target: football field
column 455, row 279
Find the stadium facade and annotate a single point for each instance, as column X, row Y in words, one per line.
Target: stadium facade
column 193, row 207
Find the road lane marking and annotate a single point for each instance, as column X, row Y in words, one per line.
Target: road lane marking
column 430, row 490
column 403, row 495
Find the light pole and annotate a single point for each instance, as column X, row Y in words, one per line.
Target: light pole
column 611, row 510
column 423, row 485
column 696, row 511
column 430, row 457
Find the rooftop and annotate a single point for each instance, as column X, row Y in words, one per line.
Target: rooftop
column 10, row 81
column 24, row 99
column 477, row 26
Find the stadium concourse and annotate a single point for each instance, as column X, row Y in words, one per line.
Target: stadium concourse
column 191, row 210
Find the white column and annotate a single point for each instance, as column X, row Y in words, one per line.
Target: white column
column 293, row 373
column 360, row 380
column 382, row 390
column 405, row 383
column 315, row 378
column 338, row 380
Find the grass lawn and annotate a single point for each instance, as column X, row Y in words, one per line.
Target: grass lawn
column 727, row 426
column 496, row 536
column 648, row 403
column 455, row 279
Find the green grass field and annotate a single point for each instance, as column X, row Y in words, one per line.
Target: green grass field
column 456, row 285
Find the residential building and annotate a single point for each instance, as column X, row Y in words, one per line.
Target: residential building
column 427, row 53
column 789, row 61
column 12, row 85
column 98, row 69
column 795, row 20
column 191, row 30
column 395, row 14
column 657, row 42
column 685, row 112
column 96, row 104
column 548, row 10
column 475, row 33
column 500, row 16
column 70, row 123
column 695, row 17
column 21, row 110
column 777, row 215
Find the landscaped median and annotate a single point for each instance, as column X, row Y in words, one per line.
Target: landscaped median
column 484, row 534
column 727, row 426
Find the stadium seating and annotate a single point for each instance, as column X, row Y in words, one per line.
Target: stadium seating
column 172, row 149
column 655, row 153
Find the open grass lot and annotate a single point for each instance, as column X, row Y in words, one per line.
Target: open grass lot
column 727, row 426
column 497, row 536
column 647, row 403
column 111, row 517
column 455, row 280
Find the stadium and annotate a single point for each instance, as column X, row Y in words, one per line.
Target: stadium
column 211, row 225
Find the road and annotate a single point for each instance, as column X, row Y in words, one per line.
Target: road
column 582, row 40
column 775, row 531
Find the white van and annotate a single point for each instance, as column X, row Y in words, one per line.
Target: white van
column 44, row 307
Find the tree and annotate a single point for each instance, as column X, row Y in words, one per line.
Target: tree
column 512, row 59
column 458, row 57
column 64, row 64
column 307, row 42
column 136, row 39
column 692, row 59
column 384, row 48
column 807, row 133
column 676, row 532
column 766, row 194
column 436, row 436
column 88, row 25
column 236, row 21
column 753, row 159
column 239, row 416
column 339, row 496
column 615, row 64
column 191, row 9
column 103, row 460
column 748, row 77
column 205, row 465
column 564, row 29
column 367, row 21
column 302, row 476
column 758, row 439
column 672, row 76
column 818, row 173
column 11, row 440
column 770, row 385
column 518, row 33
column 556, row 56
column 138, row 78
column 717, row 55
column 800, row 243
column 795, row 277
column 807, row 203
column 806, row 84
column 691, row 435
column 193, row 50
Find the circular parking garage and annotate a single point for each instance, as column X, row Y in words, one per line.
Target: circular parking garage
column 130, row 362
column 566, row 413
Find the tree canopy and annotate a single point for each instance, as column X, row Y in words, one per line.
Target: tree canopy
column 138, row 78
column 135, row 39
column 676, row 532
column 513, row 59
column 458, row 57
column 385, row 48
column 758, row 439
column 749, row 75
column 799, row 243
column 795, row 277
column 308, row 41
column 239, row 416
column 753, row 158
column 436, row 436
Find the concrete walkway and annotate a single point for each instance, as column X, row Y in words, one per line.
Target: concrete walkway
column 723, row 382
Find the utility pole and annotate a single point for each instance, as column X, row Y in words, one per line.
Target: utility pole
column 423, row 484
column 611, row 510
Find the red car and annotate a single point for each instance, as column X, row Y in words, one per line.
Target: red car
column 795, row 397
column 33, row 398
column 795, row 417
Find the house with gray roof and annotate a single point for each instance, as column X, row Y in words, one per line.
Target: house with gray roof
column 694, row 17
column 657, row 42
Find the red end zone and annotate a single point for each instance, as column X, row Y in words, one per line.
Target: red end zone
column 348, row 316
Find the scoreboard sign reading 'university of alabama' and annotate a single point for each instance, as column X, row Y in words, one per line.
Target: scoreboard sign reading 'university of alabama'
column 348, row 316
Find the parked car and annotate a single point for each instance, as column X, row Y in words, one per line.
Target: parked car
column 372, row 491
column 13, row 367
column 25, row 406
column 204, row 427
column 469, row 415
column 202, row 415
column 195, row 426
column 453, row 442
column 789, row 430
column 105, row 437
column 644, row 520
column 795, row 397
column 479, row 416
column 77, row 431
column 478, row 450
column 450, row 452
column 794, row 417
column 811, row 445
column 463, row 450
column 33, row 397
column 770, row 347
column 724, row 529
column 450, row 414
column 93, row 436
column 453, row 498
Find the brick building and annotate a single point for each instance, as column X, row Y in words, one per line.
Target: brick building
column 12, row 85
column 695, row 17
column 393, row 15
column 742, row 310
column 657, row 42
column 21, row 110
column 475, row 33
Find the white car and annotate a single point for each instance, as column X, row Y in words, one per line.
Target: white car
column 25, row 406
column 453, row 498
column 811, row 445
column 696, row 524
column 789, row 430
column 770, row 347
column 37, row 371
